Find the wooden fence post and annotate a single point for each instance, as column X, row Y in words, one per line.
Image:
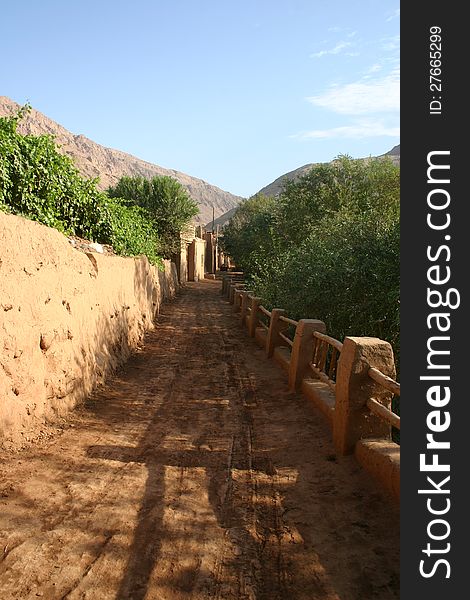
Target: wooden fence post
column 243, row 305
column 233, row 287
column 302, row 350
column 275, row 327
column 352, row 420
column 237, row 298
column 227, row 286
column 224, row 284
column 253, row 321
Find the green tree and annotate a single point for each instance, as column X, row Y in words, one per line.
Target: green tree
column 167, row 203
column 364, row 187
column 327, row 247
column 249, row 234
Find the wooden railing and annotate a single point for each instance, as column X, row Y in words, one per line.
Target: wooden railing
column 248, row 305
column 264, row 311
column 326, row 351
column 287, row 340
column 305, row 350
column 230, row 278
column 376, row 407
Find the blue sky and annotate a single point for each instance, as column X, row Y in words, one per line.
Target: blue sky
column 236, row 93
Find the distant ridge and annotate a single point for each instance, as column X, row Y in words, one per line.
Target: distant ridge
column 395, row 151
column 94, row 160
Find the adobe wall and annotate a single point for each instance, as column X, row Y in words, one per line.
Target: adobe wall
column 66, row 320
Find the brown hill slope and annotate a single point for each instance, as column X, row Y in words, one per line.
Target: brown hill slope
column 94, row 160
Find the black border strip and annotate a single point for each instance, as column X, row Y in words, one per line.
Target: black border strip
column 423, row 132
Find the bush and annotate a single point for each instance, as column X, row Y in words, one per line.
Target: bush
column 38, row 182
column 132, row 231
column 249, row 232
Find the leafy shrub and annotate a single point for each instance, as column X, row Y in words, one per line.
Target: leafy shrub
column 38, row 182
column 132, row 231
column 249, row 232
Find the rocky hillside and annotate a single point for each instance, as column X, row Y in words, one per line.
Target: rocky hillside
column 94, row 160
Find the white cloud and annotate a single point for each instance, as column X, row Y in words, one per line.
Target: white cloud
column 374, row 68
column 338, row 29
column 340, row 46
column 362, row 97
column 359, row 129
column 390, row 44
column 394, row 15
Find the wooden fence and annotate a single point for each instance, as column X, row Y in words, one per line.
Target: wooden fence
column 351, row 382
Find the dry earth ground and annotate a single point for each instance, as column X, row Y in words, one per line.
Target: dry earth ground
column 194, row 473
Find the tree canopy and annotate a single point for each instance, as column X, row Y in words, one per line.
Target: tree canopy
column 327, row 247
column 167, row 203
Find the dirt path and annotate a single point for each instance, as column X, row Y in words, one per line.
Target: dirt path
column 194, row 474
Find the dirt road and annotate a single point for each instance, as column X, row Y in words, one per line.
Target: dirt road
column 194, row 474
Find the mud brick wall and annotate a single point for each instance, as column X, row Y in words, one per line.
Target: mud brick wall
column 67, row 319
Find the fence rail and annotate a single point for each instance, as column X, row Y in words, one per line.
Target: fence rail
column 286, row 339
column 383, row 412
column 282, row 335
column 324, row 363
column 379, row 409
column 335, row 343
column 289, row 321
column 314, row 353
column 265, row 311
column 387, row 382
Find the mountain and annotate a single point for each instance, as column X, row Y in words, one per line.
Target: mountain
column 394, row 152
column 94, row 160
column 275, row 187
